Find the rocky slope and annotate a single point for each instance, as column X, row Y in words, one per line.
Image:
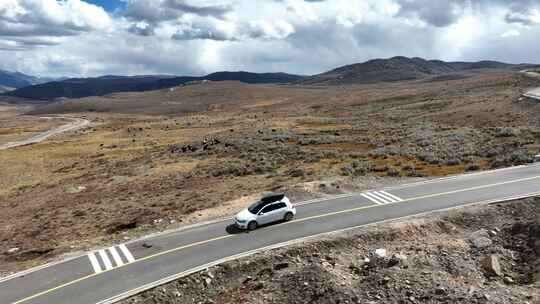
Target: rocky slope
column 482, row 254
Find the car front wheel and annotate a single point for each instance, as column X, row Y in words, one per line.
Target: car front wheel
column 252, row 225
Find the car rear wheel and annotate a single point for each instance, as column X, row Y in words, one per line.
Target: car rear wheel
column 252, row 225
column 288, row 216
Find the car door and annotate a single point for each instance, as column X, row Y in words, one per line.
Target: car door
column 271, row 213
column 265, row 215
column 279, row 211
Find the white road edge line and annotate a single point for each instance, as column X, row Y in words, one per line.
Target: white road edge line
column 140, row 289
column 126, row 253
column 371, row 199
column 117, row 260
column 105, row 259
column 218, row 220
column 458, row 176
column 94, row 262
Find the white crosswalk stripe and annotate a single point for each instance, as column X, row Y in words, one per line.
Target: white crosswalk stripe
column 107, row 259
column 391, row 195
column 117, row 260
column 94, row 262
column 369, row 197
column 381, row 197
column 127, row 254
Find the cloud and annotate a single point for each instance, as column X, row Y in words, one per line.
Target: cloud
column 229, row 31
column 445, row 13
column 437, row 13
column 41, row 20
column 74, row 38
column 529, row 17
column 156, row 11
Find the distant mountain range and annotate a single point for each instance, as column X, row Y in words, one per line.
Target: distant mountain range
column 83, row 87
column 15, row 80
column 400, row 68
column 372, row 71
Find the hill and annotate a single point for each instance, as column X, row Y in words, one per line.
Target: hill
column 85, row 87
column 398, row 69
column 15, row 80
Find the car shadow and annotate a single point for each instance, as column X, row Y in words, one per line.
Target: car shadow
column 232, row 229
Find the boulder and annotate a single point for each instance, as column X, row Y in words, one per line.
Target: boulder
column 480, row 239
column 397, row 259
column 491, row 265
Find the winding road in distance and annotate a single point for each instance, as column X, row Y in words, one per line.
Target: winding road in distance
column 113, row 273
column 75, row 124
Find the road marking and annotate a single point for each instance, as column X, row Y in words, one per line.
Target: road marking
column 317, row 200
column 411, row 199
column 105, row 259
column 381, row 197
column 117, row 260
column 94, row 262
column 384, row 198
column 126, row 252
column 390, row 195
column 168, row 279
column 371, row 199
column 101, row 256
column 287, row 223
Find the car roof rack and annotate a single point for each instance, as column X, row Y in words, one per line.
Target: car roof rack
column 272, row 197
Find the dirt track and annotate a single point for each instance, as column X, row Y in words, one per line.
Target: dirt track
column 76, row 123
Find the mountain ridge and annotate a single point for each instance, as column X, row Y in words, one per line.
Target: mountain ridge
column 400, row 68
column 103, row 85
column 15, row 80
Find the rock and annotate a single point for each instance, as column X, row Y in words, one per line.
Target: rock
column 508, row 280
column 207, row 281
column 440, row 291
column 480, row 239
column 491, row 265
column 380, row 253
column 281, row 266
column 146, row 245
column 13, row 250
column 258, row 286
column 397, row 259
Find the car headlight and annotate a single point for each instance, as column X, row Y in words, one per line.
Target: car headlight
column 240, row 221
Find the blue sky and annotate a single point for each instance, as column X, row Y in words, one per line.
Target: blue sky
column 108, row 5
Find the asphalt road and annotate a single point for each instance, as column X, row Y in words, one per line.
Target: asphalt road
column 113, row 273
column 76, row 123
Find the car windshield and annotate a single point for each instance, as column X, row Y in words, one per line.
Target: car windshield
column 256, row 207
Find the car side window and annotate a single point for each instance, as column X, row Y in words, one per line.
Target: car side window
column 273, row 207
column 280, row 205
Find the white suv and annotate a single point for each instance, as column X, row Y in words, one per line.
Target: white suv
column 271, row 208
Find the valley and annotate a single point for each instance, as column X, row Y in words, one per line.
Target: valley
column 151, row 161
